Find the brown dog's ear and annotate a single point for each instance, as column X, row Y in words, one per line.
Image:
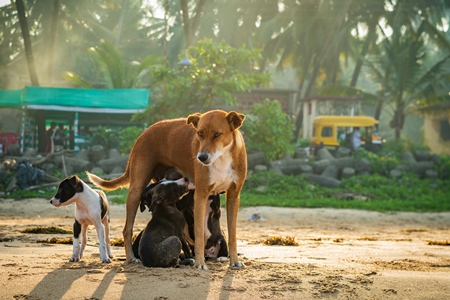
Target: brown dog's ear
column 193, row 119
column 235, row 119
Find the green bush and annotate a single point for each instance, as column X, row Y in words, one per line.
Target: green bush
column 381, row 162
column 128, row 137
column 106, row 137
column 268, row 129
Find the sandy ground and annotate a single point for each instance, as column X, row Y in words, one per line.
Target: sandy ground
column 342, row 254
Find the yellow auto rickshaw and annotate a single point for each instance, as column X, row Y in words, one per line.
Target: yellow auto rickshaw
column 331, row 132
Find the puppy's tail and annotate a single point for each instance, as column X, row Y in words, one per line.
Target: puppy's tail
column 110, row 185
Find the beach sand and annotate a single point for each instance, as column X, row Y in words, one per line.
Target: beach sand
column 341, row 254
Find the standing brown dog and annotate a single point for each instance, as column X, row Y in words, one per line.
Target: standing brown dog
column 206, row 148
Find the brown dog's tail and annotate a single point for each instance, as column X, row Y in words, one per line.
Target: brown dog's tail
column 110, row 185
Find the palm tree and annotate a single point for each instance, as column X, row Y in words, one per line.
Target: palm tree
column 113, row 71
column 407, row 73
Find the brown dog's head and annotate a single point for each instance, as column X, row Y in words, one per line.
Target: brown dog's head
column 216, row 132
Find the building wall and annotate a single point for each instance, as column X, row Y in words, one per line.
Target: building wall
column 433, row 137
column 285, row 97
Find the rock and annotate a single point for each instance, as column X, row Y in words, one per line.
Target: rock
column 348, row 172
column 362, row 166
column 30, row 152
column 408, row 157
column 301, row 153
column 306, row 169
column 343, row 152
column 422, row 156
column 320, row 166
column 404, row 167
column 96, row 153
column 345, row 162
column 289, row 166
column 109, row 164
column 117, row 170
column 331, row 171
column 83, row 154
column 14, row 150
column 260, row 168
column 257, row 158
column 114, row 153
column 322, row 180
column 435, row 158
column 96, row 170
column 421, row 167
column 77, row 165
column 48, row 167
column 431, row 174
column 395, row 173
column 323, row 153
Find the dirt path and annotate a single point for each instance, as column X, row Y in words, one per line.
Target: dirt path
column 342, row 254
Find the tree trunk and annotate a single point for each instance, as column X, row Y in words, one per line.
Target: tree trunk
column 189, row 26
column 52, row 42
column 371, row 35
column 27, row 42
column 39, row 115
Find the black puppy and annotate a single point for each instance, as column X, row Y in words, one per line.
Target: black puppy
column 215, row 244
column 91, row 208
column 161, row 242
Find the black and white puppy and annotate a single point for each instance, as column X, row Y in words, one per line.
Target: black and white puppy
column 161, row 242
column 91, row 208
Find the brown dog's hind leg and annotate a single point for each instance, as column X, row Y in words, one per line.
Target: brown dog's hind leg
column 133, row 201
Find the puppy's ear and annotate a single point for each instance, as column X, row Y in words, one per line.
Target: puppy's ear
column 193, row 119
column 235, row 119
column 75, row 182
column 147, row 197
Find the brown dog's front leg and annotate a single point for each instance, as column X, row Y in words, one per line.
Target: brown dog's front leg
column 133, row 200
column 232, row 215
column 200, row 199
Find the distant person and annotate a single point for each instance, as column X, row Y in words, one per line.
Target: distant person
column 50, row 133
column 59, row 138
column 356, row 138
column 86, row 131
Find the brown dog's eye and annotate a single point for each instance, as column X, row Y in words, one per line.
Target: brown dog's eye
column 200, row 134
column 216, row 135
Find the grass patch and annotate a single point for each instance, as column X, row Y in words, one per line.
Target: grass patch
column 365, row 192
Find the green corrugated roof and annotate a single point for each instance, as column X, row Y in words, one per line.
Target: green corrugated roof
column 87, row 100
column 10, row 98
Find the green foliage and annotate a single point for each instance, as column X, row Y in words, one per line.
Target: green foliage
column 216, row 74
column 381, row 162
column 444, row 167
column 268, row 129
column 398, row 147
column 113, row 69
column 106, row 137
column 410, row 193
column 128, row 137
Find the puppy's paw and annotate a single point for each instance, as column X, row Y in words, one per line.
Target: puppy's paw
column 106, row 260
column 187, row 261
column 222, row 259
column 238, row 264
column 74, row 259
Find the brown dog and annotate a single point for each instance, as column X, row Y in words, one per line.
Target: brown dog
column 206, row 148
